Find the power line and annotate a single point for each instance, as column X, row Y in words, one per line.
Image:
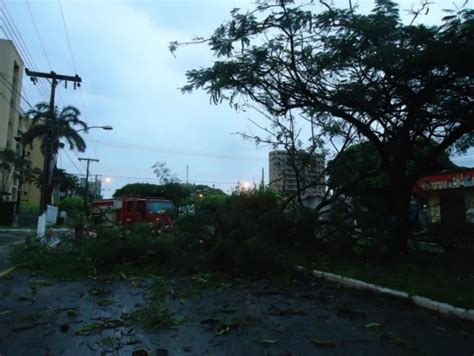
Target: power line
column 164, row 149
column 12, row 88
column 158, row 179
column 19, row 40
column 8, row 20
column 72, row 161
column 42, row 43
column 10, row 36
column 38, row 35
column 70, row 49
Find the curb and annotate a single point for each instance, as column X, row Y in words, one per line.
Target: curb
column 6, row 273
column 17, row 230
column 426, row 303
column 61, row 229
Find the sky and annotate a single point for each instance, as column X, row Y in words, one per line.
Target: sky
column 131, row 81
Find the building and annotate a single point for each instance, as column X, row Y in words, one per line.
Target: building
column 31, row 191
column 283, row 178
column 11, row 73
column 13, row 123
column 94, row 187
column 448, row 198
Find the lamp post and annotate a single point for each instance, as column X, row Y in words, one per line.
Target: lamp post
column 105, row 127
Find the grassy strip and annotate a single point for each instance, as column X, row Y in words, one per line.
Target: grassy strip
column 438, row 278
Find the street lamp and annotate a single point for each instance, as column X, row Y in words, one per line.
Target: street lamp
column 105, row 127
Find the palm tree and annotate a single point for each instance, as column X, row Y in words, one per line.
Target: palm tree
column 50, row 129
column 60, row 126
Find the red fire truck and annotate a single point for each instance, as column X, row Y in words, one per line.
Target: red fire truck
column 131, row 210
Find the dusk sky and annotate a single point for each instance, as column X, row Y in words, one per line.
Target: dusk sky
column 131, row 81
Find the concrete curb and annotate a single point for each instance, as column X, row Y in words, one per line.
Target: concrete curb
column 17, row 230
column 443, row 308
column 61, row 229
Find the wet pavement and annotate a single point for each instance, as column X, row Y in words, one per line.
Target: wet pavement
column 7, row 241
column 233, row 317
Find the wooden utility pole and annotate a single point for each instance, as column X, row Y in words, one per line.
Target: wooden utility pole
column 86, row 194
column 48, row 168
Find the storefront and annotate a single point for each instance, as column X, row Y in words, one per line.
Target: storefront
column 448, row 200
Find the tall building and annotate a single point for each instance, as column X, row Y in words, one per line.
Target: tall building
column 283, row 176
column 11, row 72
column 13, row 124
column 94, row 186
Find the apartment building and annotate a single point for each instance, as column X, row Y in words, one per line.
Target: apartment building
column 13, row 123
column 283, row 176
column 11, row 72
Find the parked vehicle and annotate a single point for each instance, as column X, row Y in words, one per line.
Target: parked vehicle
column 131, row 210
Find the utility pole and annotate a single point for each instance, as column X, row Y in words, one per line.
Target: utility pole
column 263, row 179
column 187, row 174
column 48, row 168
column 86, row 194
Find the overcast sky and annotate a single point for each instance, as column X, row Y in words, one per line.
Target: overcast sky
column 131, row 81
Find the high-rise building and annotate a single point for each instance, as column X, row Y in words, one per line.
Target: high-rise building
column 94, row 187
column 283, row 176
column 11, row 71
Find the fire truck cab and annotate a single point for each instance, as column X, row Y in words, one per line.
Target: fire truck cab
column 131, row 210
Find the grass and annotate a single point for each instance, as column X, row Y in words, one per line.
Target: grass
column 447, row 279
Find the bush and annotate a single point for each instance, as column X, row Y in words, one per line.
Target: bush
column 244, row 234
column 75, row 209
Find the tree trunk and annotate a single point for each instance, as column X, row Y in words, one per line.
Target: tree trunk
column 399, row 207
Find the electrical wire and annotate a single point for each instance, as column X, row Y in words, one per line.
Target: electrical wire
column 10, row 87
column 187, row 152
column 11, row 37
column 70, row 49
column 72, row 161
column 21, row 44
column 158, row 179
column 38, row 34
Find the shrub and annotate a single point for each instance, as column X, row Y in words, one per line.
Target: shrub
column 75, row 209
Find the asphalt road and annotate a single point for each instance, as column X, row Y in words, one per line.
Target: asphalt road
column 263, row 317
column 7, row 241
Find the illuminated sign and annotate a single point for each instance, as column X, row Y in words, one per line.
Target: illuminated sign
column 453, row 180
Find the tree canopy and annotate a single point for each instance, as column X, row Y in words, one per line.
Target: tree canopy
column 370, row 76
column 358, row 171
column 62, row 126
column 175, row 192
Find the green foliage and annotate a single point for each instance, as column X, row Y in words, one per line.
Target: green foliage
column 28, row 207
column 358, row 169
column 178, row 193
column 368, row 75
column 75, row 209
column 154, row 316
column 62, row 126
column 241, row 234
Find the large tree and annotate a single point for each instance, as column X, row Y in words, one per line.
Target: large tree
column 396, row 84
column 358, row 171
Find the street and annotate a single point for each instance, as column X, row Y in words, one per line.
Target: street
column 7, row 240
column 233, row 317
